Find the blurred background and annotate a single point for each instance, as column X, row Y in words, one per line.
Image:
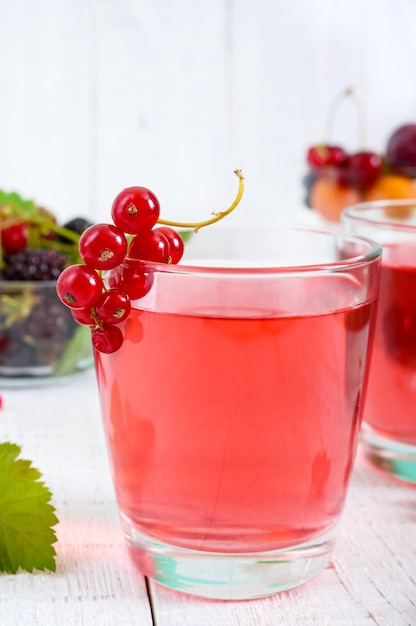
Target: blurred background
column 97, row 95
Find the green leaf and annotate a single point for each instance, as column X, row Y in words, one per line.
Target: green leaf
column 26, row 515
column 16, row 202
column 186, row 235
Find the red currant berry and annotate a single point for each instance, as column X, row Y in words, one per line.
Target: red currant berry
column 103, row 246
column 83, row 316
column 150, row 246
column 79, row 286
column 364, row 168
column 131, row 278
column 14, row 238
column 176, row 245
column 107, row 340
column 113, row 306
column 135, row 209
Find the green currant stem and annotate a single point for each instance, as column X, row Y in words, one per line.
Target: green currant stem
column 216, row 216
column 96, row 319
column 101, row 275
column 46, row 224
column 59, row 230
column 333, row 110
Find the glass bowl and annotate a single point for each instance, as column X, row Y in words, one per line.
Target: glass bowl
column 40, row 342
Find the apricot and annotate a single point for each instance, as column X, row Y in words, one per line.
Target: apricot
column 329, row 198
column 391, row 187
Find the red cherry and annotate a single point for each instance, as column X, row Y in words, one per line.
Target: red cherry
column 363, row 169
column 323, row 155
column 337, row 156
column 14, row 238
column 135, row 210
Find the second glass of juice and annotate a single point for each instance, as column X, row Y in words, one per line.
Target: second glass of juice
column 389, row 429
column 232, row 409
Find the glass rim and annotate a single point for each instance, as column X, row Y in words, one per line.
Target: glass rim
column 356, row 212
column 373, row 253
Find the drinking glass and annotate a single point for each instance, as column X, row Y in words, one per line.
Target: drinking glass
column 389, row 428
column 232, row 409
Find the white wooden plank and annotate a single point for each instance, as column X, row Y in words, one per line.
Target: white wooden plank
column 162, row 103
column 59, row 428
column 323, row 602
column 376, row 550
column 371, row 579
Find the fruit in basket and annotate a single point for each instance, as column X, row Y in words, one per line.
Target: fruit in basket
column 328, row 197
column 336, row 179
column 38, row 335
column 34, row 264
column 391, row 187
column 401, row 150
column 14, row 238
column 324, row 156
column 362, row 169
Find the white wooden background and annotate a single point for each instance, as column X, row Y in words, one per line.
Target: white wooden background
column 96, row 95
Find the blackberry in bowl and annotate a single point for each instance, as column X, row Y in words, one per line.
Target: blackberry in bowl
column 40, row 341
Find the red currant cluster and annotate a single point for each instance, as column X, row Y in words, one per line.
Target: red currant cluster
column 121, row 250
column 104, row 247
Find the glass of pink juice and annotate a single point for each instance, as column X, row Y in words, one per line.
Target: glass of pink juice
column 232, row 408
column 389, row 427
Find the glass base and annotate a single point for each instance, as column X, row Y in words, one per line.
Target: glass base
column 233, row 576
column 396, row 459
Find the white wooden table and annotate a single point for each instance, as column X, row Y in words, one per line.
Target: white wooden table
column 371, row 579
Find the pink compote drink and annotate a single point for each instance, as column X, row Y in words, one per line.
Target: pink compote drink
column 391, row 398
column 231, row 375
column 234, row 433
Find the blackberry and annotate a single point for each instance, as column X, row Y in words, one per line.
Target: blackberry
column 34, row 264
column 77, row 225
column 38, row 337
